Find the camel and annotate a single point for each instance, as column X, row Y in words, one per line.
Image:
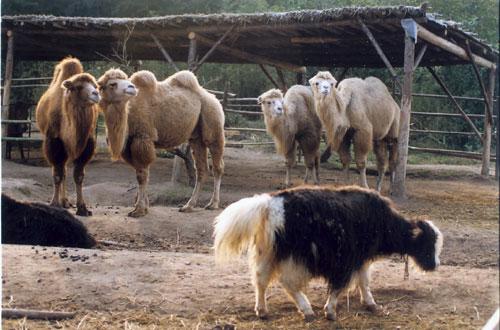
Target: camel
column 163, row 115
column 362, row 112
column 293, row 120
column 66, row 115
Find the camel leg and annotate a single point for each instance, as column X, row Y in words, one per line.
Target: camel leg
column 310, row 162
column 293, row 280
column 64, row 199
column 345, row 158
column 56, row 155
column 392, row 146
column 200, row 155
column 218, row 170
column 316, row 168
column 261, row 278
column 289, row 163
column 380, row 149
column 78, row 176
column 362, row 146
column 142, row 154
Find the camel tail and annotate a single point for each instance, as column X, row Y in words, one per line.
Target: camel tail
column 185, row 79
column 144, row 80
column 237, row 226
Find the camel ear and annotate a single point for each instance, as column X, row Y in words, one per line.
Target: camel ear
column 334, row 82
column 311, row 81
column 259, row 100
column 68, row 84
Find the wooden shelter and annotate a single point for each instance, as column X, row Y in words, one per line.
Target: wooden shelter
column 372, row 37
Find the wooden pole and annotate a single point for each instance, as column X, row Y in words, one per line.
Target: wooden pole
column 454, row 101
column 192, row 51
column 420, row 55
column 379, row 50
column 9, row 67
column 252, row 58
column 300, row 78
column 489, row 105
column 488, row 123
column 35, row 314
column 211, row 50
column 284, row 86
column 398, row 189
column 431, row 38
column 268, row 75
column 164, row 53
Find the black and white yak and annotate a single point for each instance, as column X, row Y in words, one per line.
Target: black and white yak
column 297, row 234
column 41, row 224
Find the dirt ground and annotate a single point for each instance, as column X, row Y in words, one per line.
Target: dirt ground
column 165, row 277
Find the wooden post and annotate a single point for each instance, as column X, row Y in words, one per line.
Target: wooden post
column 184, row 148
column 488, row 123
column 212, row 49
column 301, row 78
column 9, row 67
column 284, row 86
column 489, row 105
column 165, row 54
column 268, row 75
column 398, row 189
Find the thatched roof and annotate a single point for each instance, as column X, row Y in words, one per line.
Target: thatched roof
column 330, row 37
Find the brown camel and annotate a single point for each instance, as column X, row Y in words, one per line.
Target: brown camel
column 67, row 115
column 361, row 111
column 163, row 114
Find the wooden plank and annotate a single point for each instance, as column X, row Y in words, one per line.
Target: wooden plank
column 21, row 139
column 241, row 112
column 212, row 49
column 455, row 153
column 18, row 121
column 426, row 131
column 485, row 166
column 9, row 66
column 439, row 96
column 398, row 188
column 489, row 105
column 442, row 43
column 445, row 114
column 454, row 102
column 251, row 57
column 313, row 40
column 379, row 50
column 268, row 75
column 245, row 129
column 164, row 53
column 35, row 314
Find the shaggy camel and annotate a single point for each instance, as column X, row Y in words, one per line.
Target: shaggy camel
column 359, row 111
column 164, row 115
column 67, row 115
column 291, row 121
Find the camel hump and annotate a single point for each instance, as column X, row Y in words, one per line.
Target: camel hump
column 185, row 79
column 144, row 80
column 68, row 67
column 307, row 95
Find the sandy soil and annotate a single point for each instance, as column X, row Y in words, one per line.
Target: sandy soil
column 166, row 278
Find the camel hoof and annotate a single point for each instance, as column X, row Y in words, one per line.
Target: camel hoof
column 137, row 213
column 308, row 318
column 330, row 316
column 212, row 206
column 375, row 309
column 186, row 209
column 261, row 314
column 66, row 204
column 83, row 211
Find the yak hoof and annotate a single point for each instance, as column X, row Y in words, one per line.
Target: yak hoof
column 83, row 211
column 138, row 212
column 375, row 309
column 308, row 318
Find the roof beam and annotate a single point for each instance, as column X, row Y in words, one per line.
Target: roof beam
column 164, row 53
column 248, row 56
column 268, row 75
column 211, row 50
column 442, row 43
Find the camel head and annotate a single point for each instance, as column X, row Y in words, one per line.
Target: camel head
column 115, row 87
column 81, row 89
column 322, row 84
column 272, row 103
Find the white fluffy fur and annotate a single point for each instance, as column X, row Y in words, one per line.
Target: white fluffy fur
column 236, row 227
column 439, row 241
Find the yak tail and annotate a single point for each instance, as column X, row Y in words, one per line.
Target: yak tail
column 239, row 224
column 144, row 80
